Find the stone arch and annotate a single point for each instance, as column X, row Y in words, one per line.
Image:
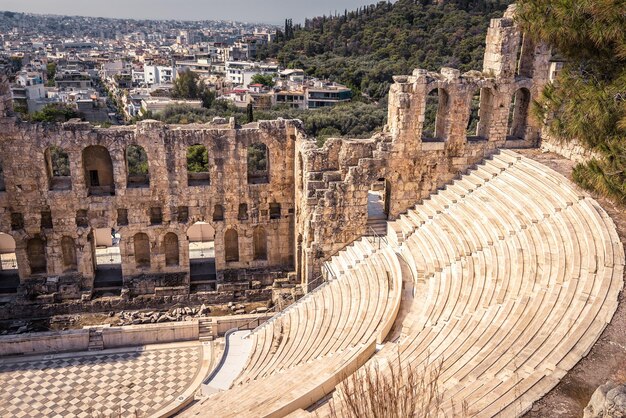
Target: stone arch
column 171, row 249
column 68, row 249
column 258, row 163
column 58, row 168
column 480, row 110
column 36, row 253
column 201, row 244
column 218, row 213
column 436, row 109
column 473, row 115
column 260, row 243
column 198, row 166
column 518, row 114
column 141, row 244
column 137, row 172
column 231, row 245
column 98, row 168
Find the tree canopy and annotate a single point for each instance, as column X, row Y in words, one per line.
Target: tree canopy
column 188, row 85
column 55, row 112
column 588, row 100
column 265, row 79
column 366, row 47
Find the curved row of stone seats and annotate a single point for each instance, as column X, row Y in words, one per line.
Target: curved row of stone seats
column 352, row 309
column 310, row 346
column 515, row 275
column 518, row 272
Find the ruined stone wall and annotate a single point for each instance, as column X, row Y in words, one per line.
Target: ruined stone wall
column 571, row 149
column 322, row 192
column 75, row 213
column 338, row 176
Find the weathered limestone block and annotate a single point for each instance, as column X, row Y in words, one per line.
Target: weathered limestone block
column 608, row 401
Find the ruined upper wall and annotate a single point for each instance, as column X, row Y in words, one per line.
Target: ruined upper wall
column 338, row 176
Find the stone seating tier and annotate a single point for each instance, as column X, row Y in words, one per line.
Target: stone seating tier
column 514, row 275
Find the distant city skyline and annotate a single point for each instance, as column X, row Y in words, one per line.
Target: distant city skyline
column 265, row 11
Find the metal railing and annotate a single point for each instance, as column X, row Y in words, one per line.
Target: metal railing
column 381, row 239
column 319, row 282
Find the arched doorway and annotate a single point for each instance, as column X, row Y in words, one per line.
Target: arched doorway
column 378, row 207
column 231, row 246
column 171, row 250
column 9, row 276
column 98, row 171
column 108, row 260
column 259, row 240
column 36, row 252
column 202, row 274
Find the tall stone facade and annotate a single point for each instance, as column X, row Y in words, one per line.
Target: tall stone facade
column 34, row 211
column 313, row 202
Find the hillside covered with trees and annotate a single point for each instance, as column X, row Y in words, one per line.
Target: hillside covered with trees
column 366, row 47
column 587, row 102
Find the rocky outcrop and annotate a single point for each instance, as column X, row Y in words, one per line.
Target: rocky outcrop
column 608, row 401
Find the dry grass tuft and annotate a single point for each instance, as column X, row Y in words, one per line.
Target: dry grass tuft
column 390, row 391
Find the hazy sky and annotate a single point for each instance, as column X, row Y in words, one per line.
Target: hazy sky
column 270, row 11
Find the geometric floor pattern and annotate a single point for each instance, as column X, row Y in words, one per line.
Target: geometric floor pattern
column 114, row 384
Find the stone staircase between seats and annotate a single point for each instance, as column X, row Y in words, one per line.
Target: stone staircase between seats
column 205, row 329
column 96, row 343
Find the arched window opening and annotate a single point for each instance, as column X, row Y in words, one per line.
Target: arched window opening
column 142, row 250
column 474, row 117
column 137, row 167
column 231, row 245
column 218, row 213
column 170, row 243
column 105, row 243
column 58, row 168
column 198, row 166
column 518, row 114
column 258, row 164
column 69, row 254
column 9, row 276
column 202, row 273
column 98, row 171
column 435, row 116
column 260, row 243
column 242, row 215
column 36, row 252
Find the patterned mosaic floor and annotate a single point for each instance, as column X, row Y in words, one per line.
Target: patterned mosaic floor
column 108, row 384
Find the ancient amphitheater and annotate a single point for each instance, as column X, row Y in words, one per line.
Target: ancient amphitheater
column 417, row 249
